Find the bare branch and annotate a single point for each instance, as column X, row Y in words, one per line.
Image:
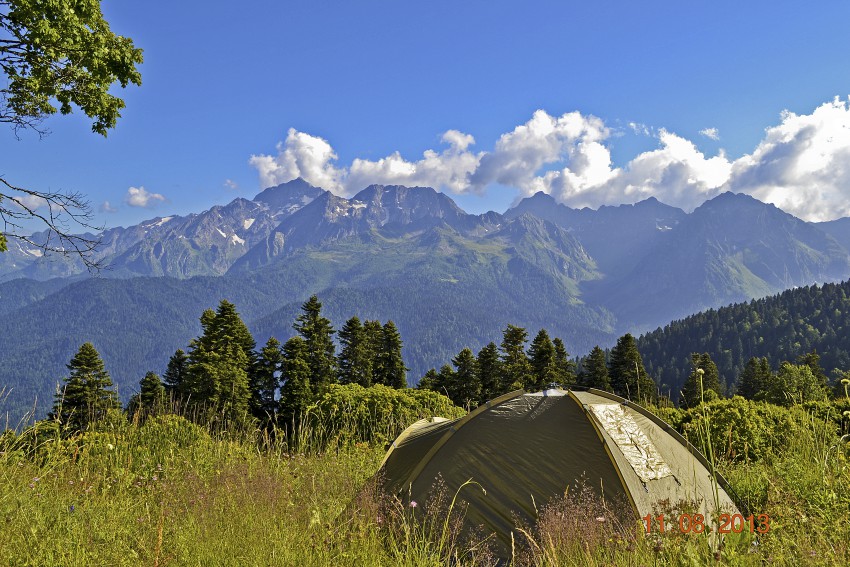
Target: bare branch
column 65, row 217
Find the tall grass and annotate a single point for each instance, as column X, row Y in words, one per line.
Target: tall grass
column 164, row 491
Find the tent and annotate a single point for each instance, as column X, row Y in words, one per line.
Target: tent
column 526, row 448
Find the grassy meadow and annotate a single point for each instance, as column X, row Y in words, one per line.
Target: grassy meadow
column 169, row 492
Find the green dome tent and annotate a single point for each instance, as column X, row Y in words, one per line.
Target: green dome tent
column 524, row 449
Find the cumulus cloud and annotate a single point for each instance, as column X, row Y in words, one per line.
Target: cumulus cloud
column 106, row 207
column 711, row 133
column 313, row 159
column 29, row 202
column 141, row 197
column 802, row 165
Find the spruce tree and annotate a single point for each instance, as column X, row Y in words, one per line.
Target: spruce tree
column 429, row 381
column 595, row 374
column 755, row 379
column 221, row 363
column 317, row 333
column 175, row 375
column 812, row 360
column 542, row 357
column 264, row 381
column 446, row 382
column 151, row 399
column 87, row 394
column 628, row 376
column 516, row 369
column 393, row 373
column 296, row 392
column 703, row 383
column 356, row 355
column 564, row 367
column 489, row 368
column 466, row 389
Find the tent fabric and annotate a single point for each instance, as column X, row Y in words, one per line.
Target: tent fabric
column 522, row 450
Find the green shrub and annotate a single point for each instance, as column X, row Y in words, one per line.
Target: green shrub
column 352, row 413
column 745, row 430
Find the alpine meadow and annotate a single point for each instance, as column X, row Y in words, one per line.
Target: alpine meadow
column 485, row 283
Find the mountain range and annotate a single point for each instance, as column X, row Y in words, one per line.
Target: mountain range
column 447, row 278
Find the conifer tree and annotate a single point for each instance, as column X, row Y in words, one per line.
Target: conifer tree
column 429, row 381
column 754, row 379
column 795, row 384
column 87, row 394
column 446, row 382
column 516, row 369
column 595, row 373
column 175, row 375
column 151, row 399
column 317, row 333
column 703, row 383
column 220, row 365
column 392, row 371
column 356, row 356
column 628, row 376
column 564, row 367
column 296, row 392
column 542, row 357
column 489, row 368
column 264, row 381
column 466, row 388
column 812, row 360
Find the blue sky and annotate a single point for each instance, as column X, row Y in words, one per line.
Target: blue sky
column 680, row 100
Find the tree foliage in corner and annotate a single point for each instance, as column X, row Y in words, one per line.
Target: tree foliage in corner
column 56, row 55
column 62, row 53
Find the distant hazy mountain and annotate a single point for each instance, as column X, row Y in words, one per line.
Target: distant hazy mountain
column 206, row 243
column 447, row 278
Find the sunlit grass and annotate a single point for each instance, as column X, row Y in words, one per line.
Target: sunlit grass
column 169, row 493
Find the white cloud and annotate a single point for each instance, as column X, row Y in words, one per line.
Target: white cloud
column 802, row 165
column 312, row 158
column 712, row 133
column 106, row 207
column 30, row 202
column 230, row 184
column 141, row 197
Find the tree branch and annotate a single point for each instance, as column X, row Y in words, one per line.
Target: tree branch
column 59, row 214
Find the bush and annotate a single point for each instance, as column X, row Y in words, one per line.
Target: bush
column 352, row 413
column 741, row 429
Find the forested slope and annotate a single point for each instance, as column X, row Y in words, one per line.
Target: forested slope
column 781, row 327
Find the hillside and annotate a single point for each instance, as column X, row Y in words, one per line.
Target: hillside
column 447, row 278
column 780, row 327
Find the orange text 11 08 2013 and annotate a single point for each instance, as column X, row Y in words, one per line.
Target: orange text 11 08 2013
column 695, row 523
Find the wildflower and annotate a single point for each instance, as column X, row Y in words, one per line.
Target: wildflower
column 110, row 446
column 600, row 519
column 71, row 508
column 413, row 504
